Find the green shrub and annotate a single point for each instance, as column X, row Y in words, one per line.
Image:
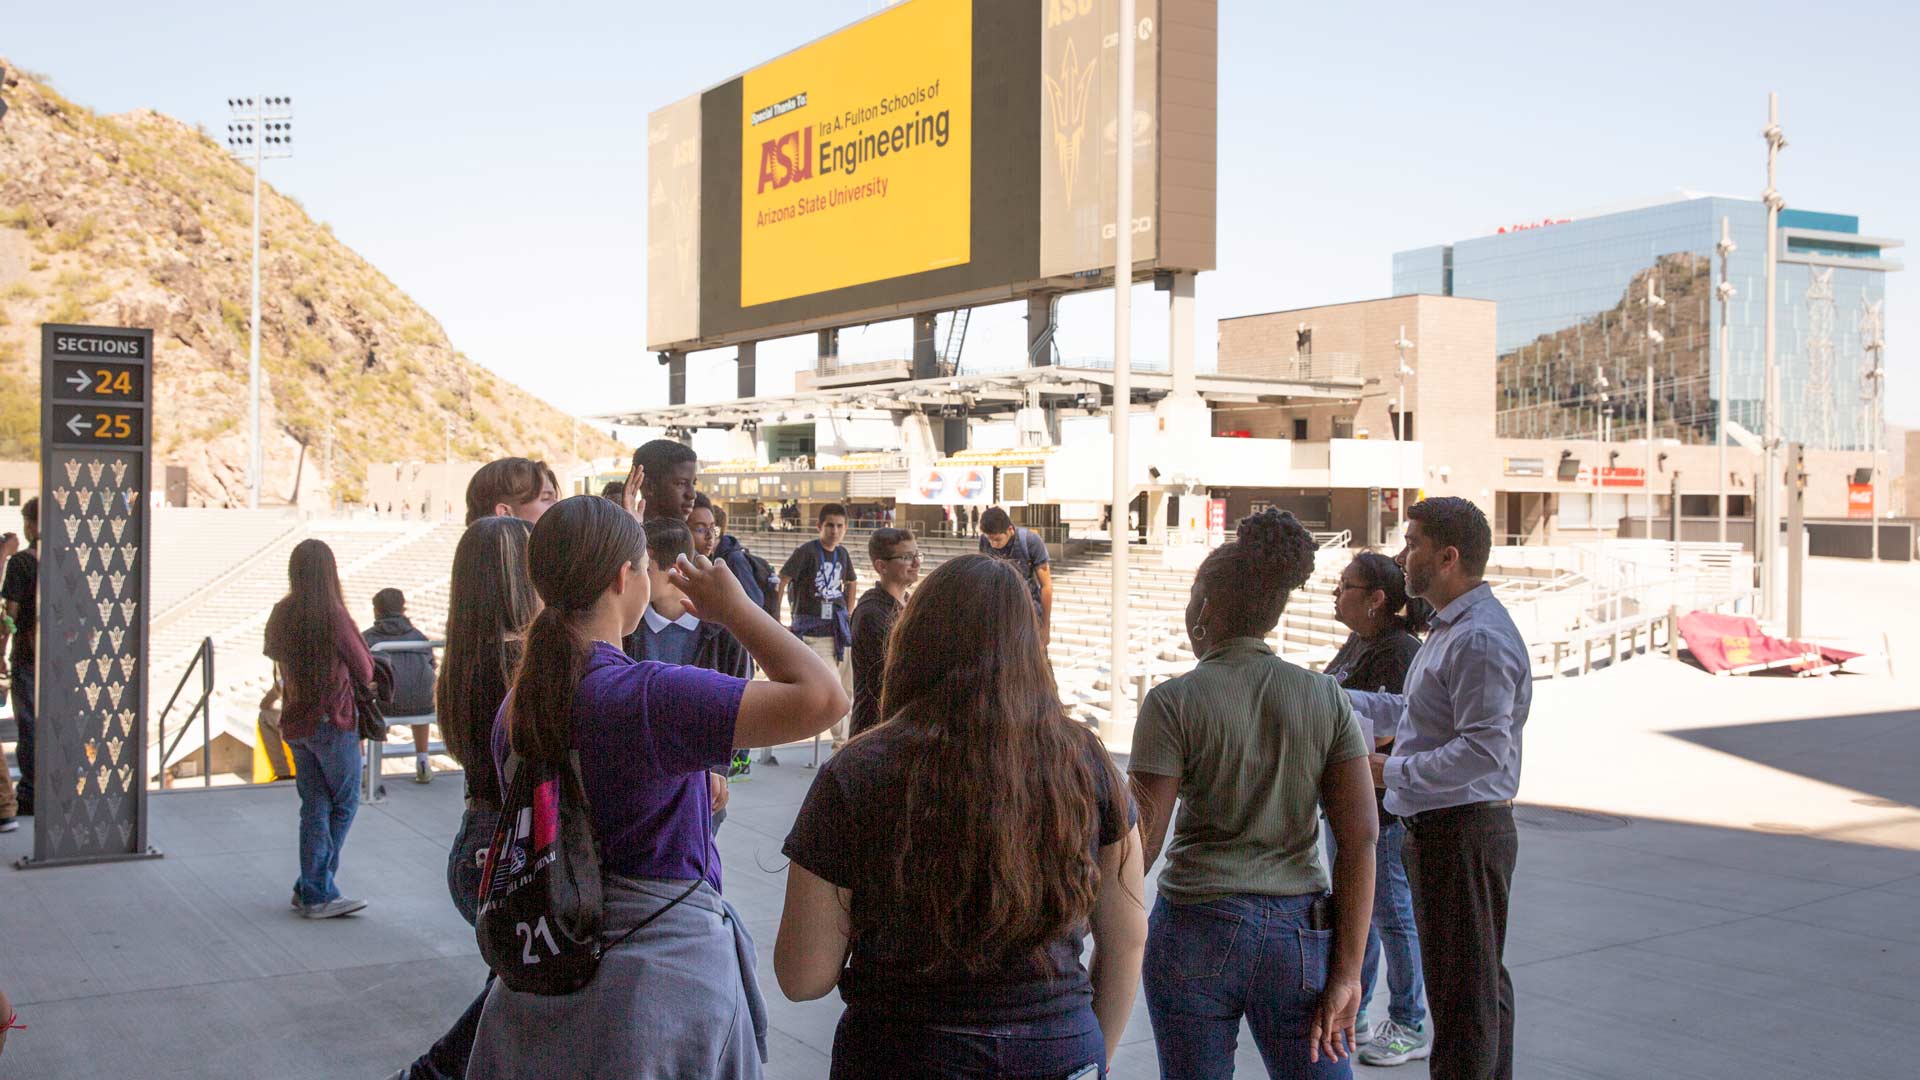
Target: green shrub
column 70, row 309
column 75, row 236
column 237, row 317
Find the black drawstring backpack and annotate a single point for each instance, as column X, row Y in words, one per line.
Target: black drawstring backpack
column 540, row 894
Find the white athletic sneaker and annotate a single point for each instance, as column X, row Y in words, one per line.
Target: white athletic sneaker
column 1395, row 1045
column 334, row 908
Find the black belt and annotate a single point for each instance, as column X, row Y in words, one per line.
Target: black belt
column 1430, row 817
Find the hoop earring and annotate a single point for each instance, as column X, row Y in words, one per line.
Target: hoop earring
column 1198, row 633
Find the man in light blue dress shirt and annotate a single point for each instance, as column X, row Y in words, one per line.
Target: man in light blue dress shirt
column 1454, row 771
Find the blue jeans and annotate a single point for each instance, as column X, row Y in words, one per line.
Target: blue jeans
column 327, row 776
column 1211, row 963
column 447, row 1058
column 1393, row 928
column 1051, row 1049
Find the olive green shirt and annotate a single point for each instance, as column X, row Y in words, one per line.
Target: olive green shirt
column 1249, row 735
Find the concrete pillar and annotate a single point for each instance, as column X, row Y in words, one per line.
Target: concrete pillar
column 747, row 376
column 917, row 439
column 828, row 349
column 926, row 352
column 1157, row 507
column 1180, row 332
column 676, row 378
column 1042, row 315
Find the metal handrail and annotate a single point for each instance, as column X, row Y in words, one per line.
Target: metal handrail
column 202, row 659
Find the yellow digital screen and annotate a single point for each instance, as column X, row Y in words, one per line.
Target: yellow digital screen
column 856, row 155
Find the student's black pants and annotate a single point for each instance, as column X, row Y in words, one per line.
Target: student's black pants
column 1460, row 863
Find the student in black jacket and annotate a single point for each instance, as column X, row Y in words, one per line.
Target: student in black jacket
column 669, row 634
column 896, row 566
column 413, row 672
column 1372, row 601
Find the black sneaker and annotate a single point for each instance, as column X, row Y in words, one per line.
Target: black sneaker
column 7, row 824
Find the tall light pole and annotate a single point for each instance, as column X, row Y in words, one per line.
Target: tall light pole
column 1606, row 408
column 1119, row 716
column 1724, row 291
column 1400, row 431
column 1654, row 338
column 262, row 128
column 1873, row 342
column 1767, row 540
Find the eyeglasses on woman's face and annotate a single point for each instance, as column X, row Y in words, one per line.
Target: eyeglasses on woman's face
column 1343, row 586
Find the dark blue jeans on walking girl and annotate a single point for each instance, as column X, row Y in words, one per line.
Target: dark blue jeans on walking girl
column 327, row 776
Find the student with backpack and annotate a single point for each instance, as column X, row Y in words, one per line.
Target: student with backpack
column 617, row 955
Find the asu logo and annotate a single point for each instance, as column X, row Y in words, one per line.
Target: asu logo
column 1067, row 98
column 786, row 159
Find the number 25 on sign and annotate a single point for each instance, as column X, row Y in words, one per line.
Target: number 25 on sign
column 112, row 425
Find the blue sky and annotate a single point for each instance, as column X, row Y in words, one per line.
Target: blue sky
column 492, row 161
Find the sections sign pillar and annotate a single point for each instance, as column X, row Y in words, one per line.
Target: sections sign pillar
column 96, row 443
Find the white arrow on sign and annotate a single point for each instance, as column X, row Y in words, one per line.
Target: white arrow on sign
column 80, row 380
column 77, row 425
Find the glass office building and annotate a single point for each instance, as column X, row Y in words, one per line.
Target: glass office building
column 1572, row 340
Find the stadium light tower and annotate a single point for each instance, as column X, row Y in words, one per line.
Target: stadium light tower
column 1400, row 432
column 1724, row 291
column 1655, row 302
column 261, row 128
column 1767, row 540
column 1873, row 342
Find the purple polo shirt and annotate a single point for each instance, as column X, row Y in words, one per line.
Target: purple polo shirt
column 647, row 735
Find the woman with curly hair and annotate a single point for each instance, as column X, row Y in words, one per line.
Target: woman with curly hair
column 1253, row 746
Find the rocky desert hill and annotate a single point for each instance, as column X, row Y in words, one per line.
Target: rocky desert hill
column 141, row 220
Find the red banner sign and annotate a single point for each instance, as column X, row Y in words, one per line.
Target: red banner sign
column 1607, row 476
column 1860, row 501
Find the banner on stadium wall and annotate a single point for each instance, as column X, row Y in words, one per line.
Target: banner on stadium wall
column 1608, row 476
column 856, row 155
column 1860, row 500
column 950, row 485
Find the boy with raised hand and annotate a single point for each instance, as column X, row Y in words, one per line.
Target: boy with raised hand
column 670, row 634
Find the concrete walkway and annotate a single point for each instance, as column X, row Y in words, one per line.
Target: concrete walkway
column 1738, row 896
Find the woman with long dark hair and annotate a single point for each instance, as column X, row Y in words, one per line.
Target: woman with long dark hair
column 1253, row 746
column 490, row 604
column 321, row 657
column 678, row 997
column 1371, row 600
column 947, row 862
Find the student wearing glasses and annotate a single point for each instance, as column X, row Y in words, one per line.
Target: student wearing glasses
column 896, row 565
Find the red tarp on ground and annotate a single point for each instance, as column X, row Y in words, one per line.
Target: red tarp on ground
column 1722, row 643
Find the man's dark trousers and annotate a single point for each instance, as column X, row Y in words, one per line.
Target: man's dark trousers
column 1460, row 864
column 23, row 717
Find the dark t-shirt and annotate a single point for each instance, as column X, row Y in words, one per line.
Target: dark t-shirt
column 872, row 622
column 821, row 585
column 848, row 829
column 1027, row 552
column 1380, row 664
column 22, row 587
